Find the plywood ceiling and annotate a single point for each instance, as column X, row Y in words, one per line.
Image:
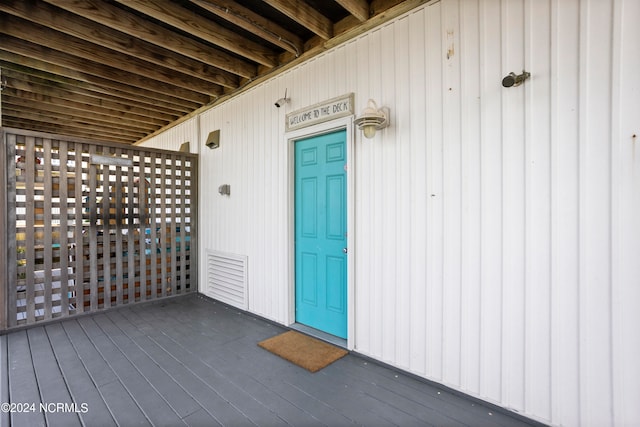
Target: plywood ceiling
column 121, row 70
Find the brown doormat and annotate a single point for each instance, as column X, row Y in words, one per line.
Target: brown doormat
column 304, row 351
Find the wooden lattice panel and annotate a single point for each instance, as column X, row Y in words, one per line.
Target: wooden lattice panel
column 95, row 226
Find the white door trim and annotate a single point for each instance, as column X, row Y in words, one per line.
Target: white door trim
column 346, row 124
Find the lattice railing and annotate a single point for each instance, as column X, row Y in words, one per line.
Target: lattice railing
column 93, row 226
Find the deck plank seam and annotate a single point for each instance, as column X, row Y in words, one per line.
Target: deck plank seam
column 159, row 345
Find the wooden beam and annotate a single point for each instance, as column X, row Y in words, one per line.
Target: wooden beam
column 23, row 64
column 53, row 110
column 379, row 6
column 146, row 117
column 305, row 15
column 60, row 130
column 60, row 93
column 68, row 121
column 87, row 30
column 35, row 33
column 35, row 51
column 185, row 20
column 28, row 82
column 349, row 27
column 117, row 18
column 248, row 20
column 358, row 8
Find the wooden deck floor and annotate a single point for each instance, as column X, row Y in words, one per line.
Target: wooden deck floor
column 192, row 361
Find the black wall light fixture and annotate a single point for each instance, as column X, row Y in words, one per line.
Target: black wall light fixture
column 512, row 79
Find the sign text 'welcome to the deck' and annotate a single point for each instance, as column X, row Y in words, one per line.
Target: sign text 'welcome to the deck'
column 324, row 111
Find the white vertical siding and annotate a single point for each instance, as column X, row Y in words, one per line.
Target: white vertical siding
column 625, row 208
column 496, row 233
column 174, row 137
column 565, row 241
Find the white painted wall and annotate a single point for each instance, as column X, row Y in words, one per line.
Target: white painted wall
column 497, row 240
column 173, row 138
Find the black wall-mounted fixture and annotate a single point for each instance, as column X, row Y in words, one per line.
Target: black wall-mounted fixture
column 213, row 140
column 224, row 190
column 513, row 79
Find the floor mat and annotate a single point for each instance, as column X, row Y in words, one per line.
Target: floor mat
column 303, row 350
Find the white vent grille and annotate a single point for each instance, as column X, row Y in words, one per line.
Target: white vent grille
column 227, row 278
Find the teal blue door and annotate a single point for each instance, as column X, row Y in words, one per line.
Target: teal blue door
column 321, row 232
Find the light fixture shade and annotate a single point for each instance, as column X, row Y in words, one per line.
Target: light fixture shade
column 369, row 131
column 372, row 119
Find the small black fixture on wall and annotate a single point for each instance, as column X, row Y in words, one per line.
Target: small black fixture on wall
column 213, row 140
column 224, row 190
column 512, row 79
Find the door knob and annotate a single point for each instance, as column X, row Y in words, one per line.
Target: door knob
column 344, row 250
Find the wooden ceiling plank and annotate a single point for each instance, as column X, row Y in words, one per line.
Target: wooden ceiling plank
column 35, row 51
column 43, row 36
column 20, row 63
column 305, row 15
column 67, row 104
column 358, row 8
column 250, row 21
column 47, row 91
column 198, row 26
column 104, row 120
column 379, row 6
column 70, row 122
column 87, row 30
column 79, row 89
column 349, row 27
column 59, row 130
column 116, row 18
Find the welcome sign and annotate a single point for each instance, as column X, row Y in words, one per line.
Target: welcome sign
column 328, row 110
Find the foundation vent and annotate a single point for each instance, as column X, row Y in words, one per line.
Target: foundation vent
column 227, row 278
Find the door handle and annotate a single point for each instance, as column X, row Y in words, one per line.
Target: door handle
column 344, row 250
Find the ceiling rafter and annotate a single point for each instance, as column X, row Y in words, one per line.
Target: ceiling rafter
column 68, row 121
column 306, row 15
column 358, row 8
column 55, row 128
column 122, row 70
column 111, row 16
column 60, row 74
column 43, row 36
column 185, row 20
column 42, row 87
column 141, row 115
column 91, row 115
column 250, row 21
column 33, row 50
column 87, row 30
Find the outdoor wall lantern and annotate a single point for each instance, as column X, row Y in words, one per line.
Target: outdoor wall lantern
column 372, row 119
column 213, row 139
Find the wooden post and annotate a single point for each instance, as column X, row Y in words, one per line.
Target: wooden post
column 5, row 259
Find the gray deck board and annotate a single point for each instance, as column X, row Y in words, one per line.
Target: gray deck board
column 192, row 361
column 51, row 383
column 23, row 385
column 78, row 380
column 152, row 404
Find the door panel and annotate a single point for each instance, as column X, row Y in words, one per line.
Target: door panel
column 321, row 227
